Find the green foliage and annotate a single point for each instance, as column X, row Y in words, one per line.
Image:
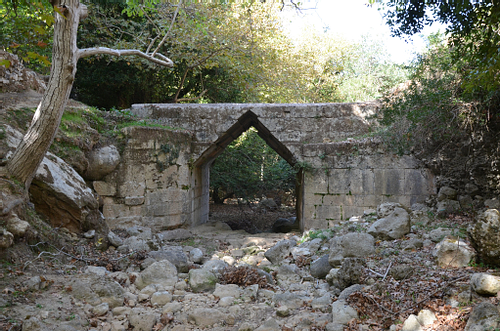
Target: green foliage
column 434, row 108
column 231, row 52
column 249, row 168
column 368, row 73
column 26, row 31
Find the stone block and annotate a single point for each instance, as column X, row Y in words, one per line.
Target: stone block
column 339, row 181
column 134, row 183
column 362, row 181
column 104, row 189
column 316, row 182
column 419, row 182
column 335, row 199
column 115, row 211
column 389, row 181
column 310, row 223
column 165, row 209
column 166, row 222
column 124, row 222
column 328, row 212
column 134, row 201
column 350, row 211
column 366, row 201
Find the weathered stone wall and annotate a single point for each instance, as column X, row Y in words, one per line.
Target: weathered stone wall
column 163, row 180
column 352, row 176
column 151, row 186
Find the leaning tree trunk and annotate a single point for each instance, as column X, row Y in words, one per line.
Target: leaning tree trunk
column 31, row 151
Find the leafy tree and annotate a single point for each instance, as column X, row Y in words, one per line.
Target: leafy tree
column 472, row 27
column 427, row 112
column 233, row 52
column 368, row 74
column 26, row 31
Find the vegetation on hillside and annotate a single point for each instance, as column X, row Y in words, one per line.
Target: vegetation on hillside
column 448, row 113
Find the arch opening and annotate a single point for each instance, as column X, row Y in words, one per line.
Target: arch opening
column 249, row 205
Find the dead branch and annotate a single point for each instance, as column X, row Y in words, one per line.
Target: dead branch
column 161, row 60
column 169, row 29
column 193, row 99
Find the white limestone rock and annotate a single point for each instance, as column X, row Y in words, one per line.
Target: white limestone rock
column 102, row 161
column 453, row 253
column 485, row 284
column 162, row 273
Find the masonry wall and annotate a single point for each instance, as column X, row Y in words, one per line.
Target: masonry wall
column 163, row 179
column 350, row 177
column 151, row 186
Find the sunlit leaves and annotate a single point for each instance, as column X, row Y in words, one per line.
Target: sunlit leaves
column 5, row 63
column 26, row 30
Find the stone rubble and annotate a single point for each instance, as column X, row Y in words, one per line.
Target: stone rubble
column 179, row 287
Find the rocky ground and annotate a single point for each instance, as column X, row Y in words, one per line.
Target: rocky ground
column 351, row 277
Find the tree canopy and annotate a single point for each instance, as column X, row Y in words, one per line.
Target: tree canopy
column 472, row 30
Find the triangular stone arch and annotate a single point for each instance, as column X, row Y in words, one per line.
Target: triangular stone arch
column 245, row 122
column 201, row 167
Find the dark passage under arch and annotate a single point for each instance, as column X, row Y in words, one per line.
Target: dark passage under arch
column 201, row 167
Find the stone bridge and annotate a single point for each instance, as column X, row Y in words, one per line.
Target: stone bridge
column 163, row 181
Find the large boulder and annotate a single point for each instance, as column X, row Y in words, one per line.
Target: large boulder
column 61, row 194
column 174, row 254
column 206, row 317
column 351, row 272
column 102, row 161
column 6, row 238
column 95, row 290
column 280, row 251
column 342, row 313
column 143, row 319
column 394, row 224
column 320, row 267
column 202, row 280
column 453, row 253
column 350, row 245
column 215, row 266
column 446, row 193
column 284, row 225
column 17, row 226
column 485, row 284
column 162, row 273
column 484, row 316
column 485, row 237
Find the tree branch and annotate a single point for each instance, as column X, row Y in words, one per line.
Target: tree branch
column 162, row 60
column 169, row 29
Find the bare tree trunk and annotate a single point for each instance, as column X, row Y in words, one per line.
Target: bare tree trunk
column 30, row 153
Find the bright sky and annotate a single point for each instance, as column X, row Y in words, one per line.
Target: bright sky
column 352, row 19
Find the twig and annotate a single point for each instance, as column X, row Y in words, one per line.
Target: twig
column 376, row 273
column 379, row 305
column 169, row 29
column 387, row 271
column 38, row 257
